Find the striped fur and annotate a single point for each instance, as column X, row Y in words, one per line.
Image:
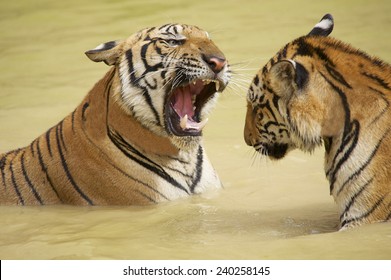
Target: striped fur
column 316, row 90
column 129, row 141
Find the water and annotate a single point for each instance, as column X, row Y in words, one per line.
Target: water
column 269, row 210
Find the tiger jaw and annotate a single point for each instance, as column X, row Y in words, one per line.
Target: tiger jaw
column 185, row 103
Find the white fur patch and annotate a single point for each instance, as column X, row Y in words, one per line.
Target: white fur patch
column 100, row 47
column 293, row 62
column 324, row 24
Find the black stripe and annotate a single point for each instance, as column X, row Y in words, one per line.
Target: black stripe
column 366, row 214
column 385, row 109
column 60, row 128
column 150, row 29
column 123, row 143
column 198, row 171
column 269, row 108
column 354, row 197
column 148, row 68
column 2, row 167
column 107, row 159
column 377, row 79
column 135, row 81
column 178, row 160
column 175, row 30
column 45, row 170
column 164, row 26
column 348, row 126
column 389, row 215
column 337, row 75
column 146, row 196
column 21, row 200
column 304, row 48
column 367, row 162
column 347, row 49
column 178, row 171
column 47, row 137
column 345, row 141
column 68, row 173
column 285, row 50
column 352, row 140
column 32, row 148
column 108, row 132
column 127, row 150
column 256, row 81
column 34, row 191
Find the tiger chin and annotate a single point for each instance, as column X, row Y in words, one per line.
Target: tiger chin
column 318, row 90
column 136, row 138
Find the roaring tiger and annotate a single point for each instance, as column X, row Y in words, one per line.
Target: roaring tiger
column 136, row 138
column 316, row 90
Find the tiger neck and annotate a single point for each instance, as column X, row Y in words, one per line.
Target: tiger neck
column 125, row 128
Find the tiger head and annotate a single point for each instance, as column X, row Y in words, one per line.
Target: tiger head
column 271, row 126
column 169, row 79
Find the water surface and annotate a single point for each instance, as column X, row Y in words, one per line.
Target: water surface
column 269, row 210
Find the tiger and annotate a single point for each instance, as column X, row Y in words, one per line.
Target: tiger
column 318, row 90
column 136, row 138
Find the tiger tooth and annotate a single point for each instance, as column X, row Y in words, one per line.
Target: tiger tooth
column 202, row 124
column 217, row 84
column 183, row 122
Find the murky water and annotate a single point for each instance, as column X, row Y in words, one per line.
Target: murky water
column 270, row 210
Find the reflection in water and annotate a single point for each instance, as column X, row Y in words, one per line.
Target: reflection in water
column 267, row 210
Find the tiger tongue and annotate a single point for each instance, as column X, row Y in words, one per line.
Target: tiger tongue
column 184, row 107
column 183, row 104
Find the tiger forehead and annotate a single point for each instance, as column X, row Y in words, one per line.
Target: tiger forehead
column 178, row 31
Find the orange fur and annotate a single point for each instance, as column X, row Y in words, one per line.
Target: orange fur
column 118, row 147
column 318, row 89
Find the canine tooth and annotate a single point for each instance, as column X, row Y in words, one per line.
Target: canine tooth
column 194, row 82
column 202, row 124
column 194, row 108
column 183, row 122
column 217, row 86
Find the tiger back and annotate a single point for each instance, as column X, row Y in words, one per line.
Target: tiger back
column 318, row 90
column 136, row 138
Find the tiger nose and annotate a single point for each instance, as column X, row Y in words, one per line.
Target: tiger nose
column 215, row 63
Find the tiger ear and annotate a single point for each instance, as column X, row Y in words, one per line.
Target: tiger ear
column 324, row 27
column 107, row 52
column 287, row 75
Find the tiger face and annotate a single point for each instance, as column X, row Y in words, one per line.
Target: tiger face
column 265, row 127
column 170, row 77
column 285, row 105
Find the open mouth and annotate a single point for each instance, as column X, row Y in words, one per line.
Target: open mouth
column 184, row 106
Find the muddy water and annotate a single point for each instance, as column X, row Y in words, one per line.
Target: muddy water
column 271, row 210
